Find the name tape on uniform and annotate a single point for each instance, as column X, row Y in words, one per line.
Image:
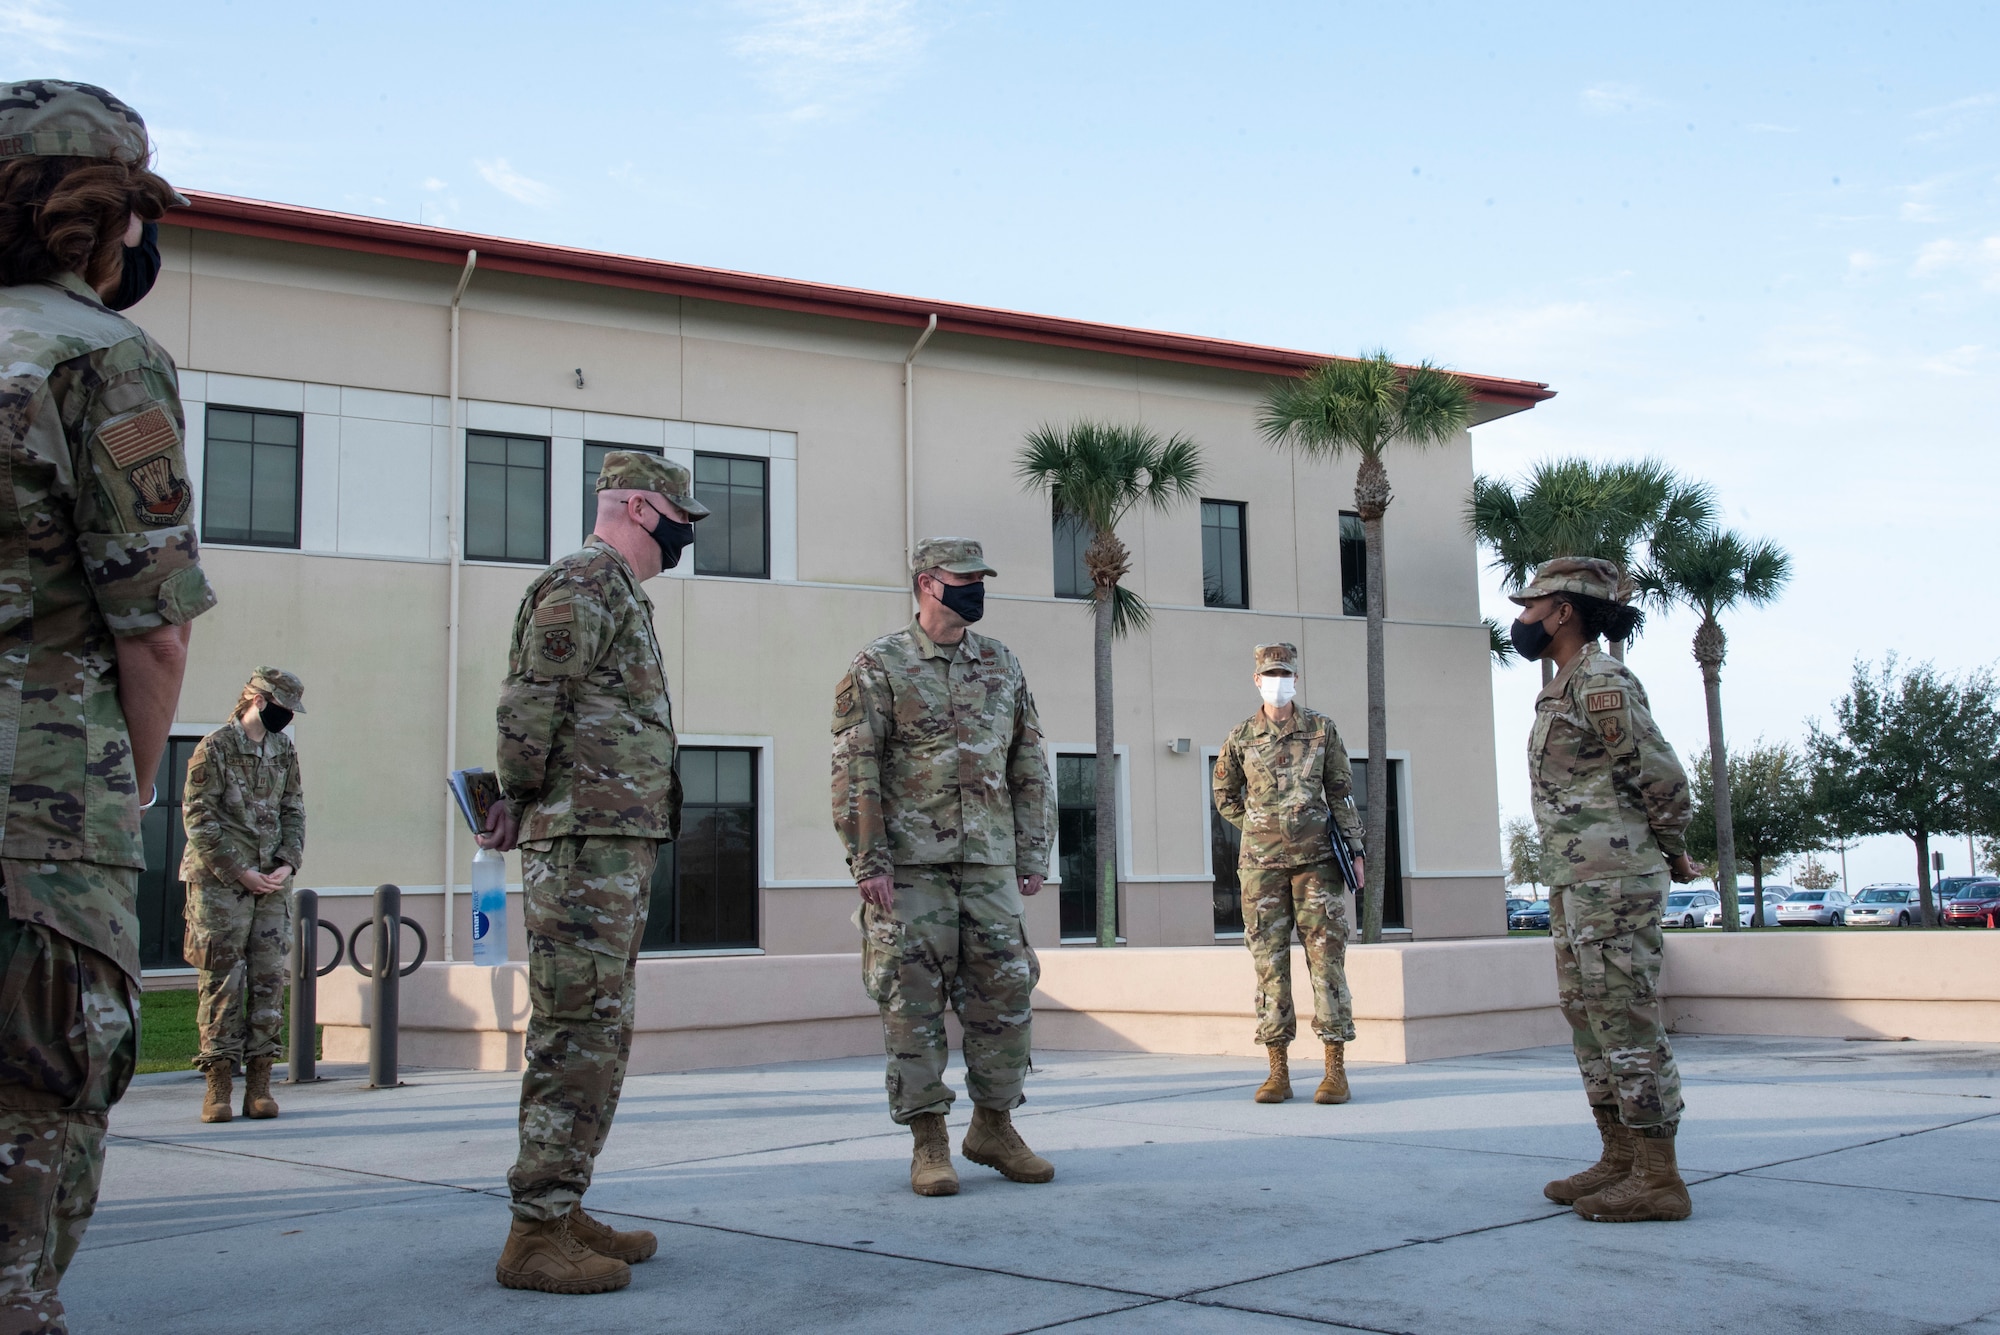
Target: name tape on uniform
column 1598, row 702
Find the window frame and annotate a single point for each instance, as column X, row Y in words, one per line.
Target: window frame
column 1210, row 871
column 1078, row 566
column 465, row 484
column 1361, row 561
column 666, row 883
column 589, row 479
column 694, row 482
column 1242, row 509
column 1122, row 769
column 298, row 477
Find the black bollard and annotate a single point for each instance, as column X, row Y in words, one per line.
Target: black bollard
column 384, row 979
column 303, row 1065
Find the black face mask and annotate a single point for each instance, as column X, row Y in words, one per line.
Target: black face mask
column 968, row 600
column 142, row 269
column 673, row 536
column 275, row 717
column 1531, row 638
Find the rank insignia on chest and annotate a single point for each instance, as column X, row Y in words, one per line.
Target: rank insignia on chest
column 1603, row 702
column 557, row 644
column 161, row 496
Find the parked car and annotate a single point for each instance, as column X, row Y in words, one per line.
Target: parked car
column 1974, row 905
column 1746, row 905
column 1819, row 908
column 1687, row 908
column 1946, row 888
column 1886, row 906
column 1534, row 918
column 1515, row 905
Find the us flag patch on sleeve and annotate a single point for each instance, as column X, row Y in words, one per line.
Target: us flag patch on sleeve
column 555, row 614
column 141, row 436
column 1598, row 702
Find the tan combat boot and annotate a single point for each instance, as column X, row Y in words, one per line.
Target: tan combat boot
column 1277, row 1086
column 216, row 1099
column 1652, row 1190
column 993, row 1141
column 630, row 1247
column 257, row 1100
column 1333, row 1088
column 543, row 1254
column 931, row 1173
column 1613, row 1164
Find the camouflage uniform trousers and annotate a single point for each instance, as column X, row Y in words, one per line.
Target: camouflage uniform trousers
column 1313, row 899
column 586, row 900
column 1608, row 944
column 69, row 1040
column 241, row 943
column 954, row 937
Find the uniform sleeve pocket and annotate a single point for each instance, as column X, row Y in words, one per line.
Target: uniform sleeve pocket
column 881, row 953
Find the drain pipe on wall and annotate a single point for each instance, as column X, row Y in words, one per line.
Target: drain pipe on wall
column 910, row 444
column 453, row 521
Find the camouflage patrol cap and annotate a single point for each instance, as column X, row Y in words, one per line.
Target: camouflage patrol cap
column 961, row 556
column 54, row 118
column 635, row 470
column 1279, row 657
column 1589, row 576
column 281, row 686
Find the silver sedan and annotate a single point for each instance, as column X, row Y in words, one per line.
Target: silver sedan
column 1817, row 908
column 1886, row 906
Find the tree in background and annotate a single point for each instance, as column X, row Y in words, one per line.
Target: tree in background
column 1709, row 572
column 1497, row 643
column 1771, row 805
column 1524, row 853
column 1361, row 407
column 1815, row 875
column 1988, row 863
column 1098, row 473
column 1905, row 751
column 1578, row 507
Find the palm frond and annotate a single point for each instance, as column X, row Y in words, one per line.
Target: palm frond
column 1714, row 570
column 1129, row 612
column 1097, row 471
column 1436, row 405
column 1498, row 643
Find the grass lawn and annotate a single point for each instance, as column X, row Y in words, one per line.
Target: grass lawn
column 167, row 1037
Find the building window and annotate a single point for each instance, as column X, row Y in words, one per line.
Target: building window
column 1225, row 842
column 250, row 478
column 1353, row 566
column 507, row 498
column 593, row 464
column 1225, row 580
column 735, row 538
column 1072, row 538
column 1392, row 888
column 705, row 884
column 162, row 892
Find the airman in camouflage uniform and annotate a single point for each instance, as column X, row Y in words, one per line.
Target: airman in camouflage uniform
column 245, row 813
column 98, row 579
column 1611, row 801
column 1283, row 778
column 940, row 795
column 586, row 760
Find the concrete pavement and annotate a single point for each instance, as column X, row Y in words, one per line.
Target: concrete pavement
column 1838, row 1186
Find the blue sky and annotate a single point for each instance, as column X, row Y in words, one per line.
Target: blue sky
column 1761, row 242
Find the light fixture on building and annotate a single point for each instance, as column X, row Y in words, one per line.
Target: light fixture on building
column 579, row 377
column 1179, row 745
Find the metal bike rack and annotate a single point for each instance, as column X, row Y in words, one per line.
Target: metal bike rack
column 303, row 1064
column 384, row 974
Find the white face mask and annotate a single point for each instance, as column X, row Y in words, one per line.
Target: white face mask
column 1276, row 690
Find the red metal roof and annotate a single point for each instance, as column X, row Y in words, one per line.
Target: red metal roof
column 413, row 241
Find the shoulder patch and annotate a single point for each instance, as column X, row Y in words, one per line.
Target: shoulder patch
column 1612, row 730
column 1600, row 702
column 139, row 435
column 556, row 612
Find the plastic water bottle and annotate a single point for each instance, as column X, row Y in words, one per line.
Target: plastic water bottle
column 489, row 907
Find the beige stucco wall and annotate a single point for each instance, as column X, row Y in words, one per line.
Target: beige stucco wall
column 759, row 658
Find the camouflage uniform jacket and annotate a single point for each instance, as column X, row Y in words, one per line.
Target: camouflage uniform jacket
column 244, row 807
column 937, row 757
column 1280, row 783
column 94, row 543
column 1609, row 794
column 586, row 728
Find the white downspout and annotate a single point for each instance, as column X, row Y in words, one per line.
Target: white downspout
column 453, row 522
column 910, row 444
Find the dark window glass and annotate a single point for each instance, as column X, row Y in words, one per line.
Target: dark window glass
column 593, row 464
column 162, row 892
column 1353, row 566
column 1392, row 889
column 1225, row 841
column 705, row 885
column 507, row 498
column 735, row 538
column 250, row 478
column 1076, row 844
column 1072, row 538
column 1224, row 557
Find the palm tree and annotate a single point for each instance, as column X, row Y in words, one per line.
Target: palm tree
column 1360, row 407
column 1096, row 473
column 1710, row 572
column 1575, row 507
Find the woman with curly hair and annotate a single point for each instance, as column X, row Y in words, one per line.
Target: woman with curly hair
column 99, row 578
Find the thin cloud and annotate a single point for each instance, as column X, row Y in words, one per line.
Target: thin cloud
column 1949, row 118
column 44, row 27
column 1614, row 99
column 818, row 55
column 1978, row 260
column 500, row 174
